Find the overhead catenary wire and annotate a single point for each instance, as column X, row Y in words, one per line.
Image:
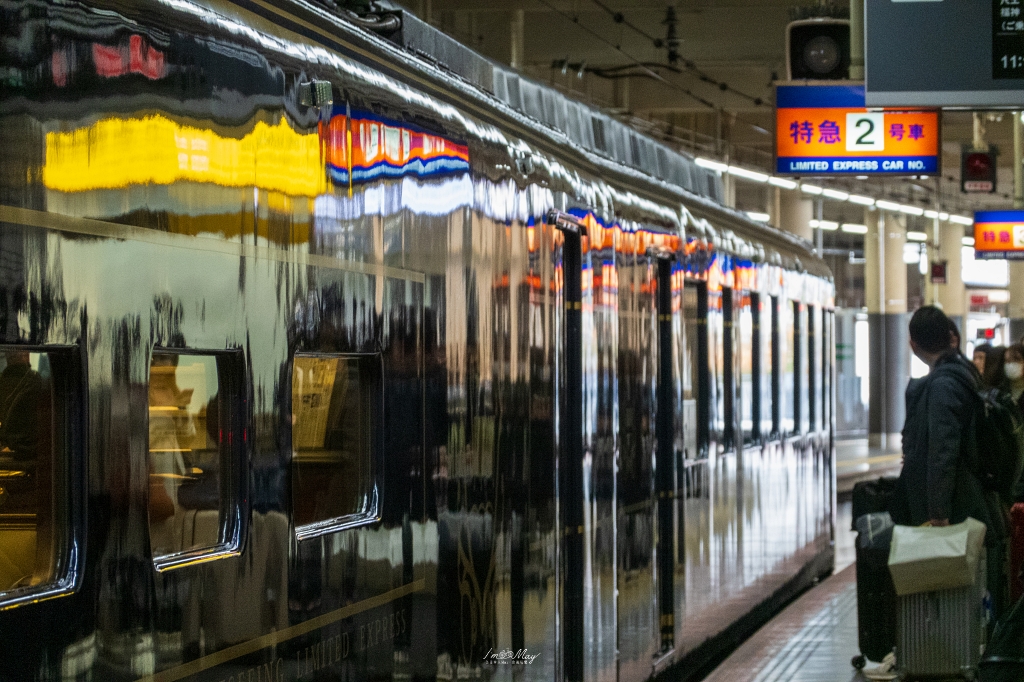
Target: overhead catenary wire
column 636, row 62
column 647, row 71
column 689, row 65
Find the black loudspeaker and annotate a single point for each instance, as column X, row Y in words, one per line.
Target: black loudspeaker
column 818, row 49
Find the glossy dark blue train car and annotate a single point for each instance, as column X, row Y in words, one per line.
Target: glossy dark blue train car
column 333, row 351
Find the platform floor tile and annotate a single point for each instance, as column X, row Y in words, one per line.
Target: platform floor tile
column 812, row 640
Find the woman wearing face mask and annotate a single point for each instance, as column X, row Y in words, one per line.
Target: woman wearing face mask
column 1013, row 367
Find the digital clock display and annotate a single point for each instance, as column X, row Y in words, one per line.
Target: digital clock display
column 1007, row 39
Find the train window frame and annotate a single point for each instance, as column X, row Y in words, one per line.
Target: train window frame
column 69, row 483
column 371, row 366
column 234, row 459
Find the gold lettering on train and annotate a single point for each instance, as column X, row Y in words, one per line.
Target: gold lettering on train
column 338, row 648
column 266, row 672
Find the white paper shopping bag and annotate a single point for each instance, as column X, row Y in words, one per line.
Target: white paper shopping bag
column 925, row 559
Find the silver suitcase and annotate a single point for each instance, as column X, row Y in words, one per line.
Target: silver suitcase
column 942, row 633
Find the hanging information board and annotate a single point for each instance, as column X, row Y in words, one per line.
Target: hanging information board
column 999, row 235
column 826, row 130
column 951, row 53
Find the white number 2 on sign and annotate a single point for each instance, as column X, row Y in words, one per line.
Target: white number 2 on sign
column 865, row 132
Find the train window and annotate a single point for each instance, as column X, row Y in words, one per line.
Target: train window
column 745, row 367
column 802, row 387
column 335, row 427
column 814, row 367
column 787, row 346
column 716, row 365
column 765, row 322
column 30, row 472
column 196, row 463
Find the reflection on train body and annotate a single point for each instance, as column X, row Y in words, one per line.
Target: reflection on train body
column 286, row 320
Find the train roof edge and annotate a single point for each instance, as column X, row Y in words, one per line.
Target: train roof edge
column 587, row 127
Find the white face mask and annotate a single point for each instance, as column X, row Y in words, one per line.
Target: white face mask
column 1014, row 370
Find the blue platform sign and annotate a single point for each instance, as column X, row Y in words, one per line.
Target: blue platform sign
column 826, row 130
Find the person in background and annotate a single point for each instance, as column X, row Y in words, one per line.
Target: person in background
column 993, row 375
column 938, row 483
column 980, row 353
column 1013, row 368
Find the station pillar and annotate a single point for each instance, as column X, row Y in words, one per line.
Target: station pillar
column 885, row 288
column 795, row 214
column 952, row 296
column 1016, row 306
column 517, row 35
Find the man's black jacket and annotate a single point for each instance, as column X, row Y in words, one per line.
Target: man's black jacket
column 939, row 448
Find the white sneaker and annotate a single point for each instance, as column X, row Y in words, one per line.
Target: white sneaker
column 885, row 669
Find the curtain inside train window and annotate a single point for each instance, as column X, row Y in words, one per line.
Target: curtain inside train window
column 27, row 470
column 335, row 427
column 196, row 464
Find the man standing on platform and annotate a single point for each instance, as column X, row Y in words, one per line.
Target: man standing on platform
column 938, row 483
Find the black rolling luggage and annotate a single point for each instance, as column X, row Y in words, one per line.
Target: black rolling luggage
column 1003, row 660
column 871, row 497
column 876, row 595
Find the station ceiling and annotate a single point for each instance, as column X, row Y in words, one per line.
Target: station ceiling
column 717, row 99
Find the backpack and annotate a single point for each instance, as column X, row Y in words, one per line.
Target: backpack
column 1000, row 437
column 999, row 434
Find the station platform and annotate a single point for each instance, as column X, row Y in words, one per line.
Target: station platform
column 856, row 461
column 815, row 637
column 812, row 640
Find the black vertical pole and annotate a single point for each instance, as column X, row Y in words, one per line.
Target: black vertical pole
column 755, row 367
column 776, row 370
column 812, row 380
column 664, row 465
column 728, row 374
column 798, row 367
column 570, row 468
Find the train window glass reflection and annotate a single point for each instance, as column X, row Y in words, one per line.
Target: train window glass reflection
column 766, row 322
column 716, row 366
column 802, row 386
column 334, row 419
column 814, row 366
column 193, row 470
column 746, row 368
column 788, row 352
column 29, row 476
column 691, row 378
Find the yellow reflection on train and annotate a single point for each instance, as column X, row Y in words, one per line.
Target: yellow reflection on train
column 118, row 152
